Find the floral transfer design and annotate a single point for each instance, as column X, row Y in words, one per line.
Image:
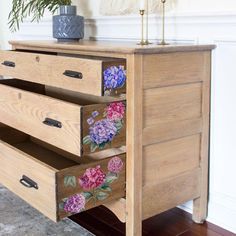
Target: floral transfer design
column 102, row 132
column 114, row 77
column 96, row 185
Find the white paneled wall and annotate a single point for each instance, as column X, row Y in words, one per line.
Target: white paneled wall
column 215, row 28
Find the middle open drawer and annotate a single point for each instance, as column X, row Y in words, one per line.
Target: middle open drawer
column 77, row 125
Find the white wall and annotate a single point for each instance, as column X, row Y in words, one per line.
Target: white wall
column 189, row 21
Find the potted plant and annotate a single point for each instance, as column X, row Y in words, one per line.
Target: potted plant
column 66, row 27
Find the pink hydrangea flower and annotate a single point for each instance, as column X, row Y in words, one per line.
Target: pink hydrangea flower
column 92, row 178
column 75, row 203
column 115, row 165
column 115, row 111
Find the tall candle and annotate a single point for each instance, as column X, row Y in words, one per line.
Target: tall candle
column 142, row 4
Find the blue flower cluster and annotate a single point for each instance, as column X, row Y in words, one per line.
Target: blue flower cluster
column 102, row 131
column 114, row 77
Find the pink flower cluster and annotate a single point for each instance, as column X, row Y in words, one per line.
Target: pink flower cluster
column 115, row 165
column 115, row 111
column 92, row 178
column 75, row 203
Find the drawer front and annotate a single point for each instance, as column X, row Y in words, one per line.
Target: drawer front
column 16, row 164
column 54, row 185
column 84, row 187
column 91, row 76
column 70, row 127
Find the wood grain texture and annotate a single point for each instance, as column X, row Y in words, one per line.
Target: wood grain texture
column 15, row 164
column 171, row 130
column 134, row 146
column 31, row 109
column 49, row 69
column 111, row 47
column 118, row 186
column 173, row 68
column 200, row 205
column 168, row 159
column 173, row 192
column 118, row 207
column 48, row 170
column 26, row 111
column 174, row 103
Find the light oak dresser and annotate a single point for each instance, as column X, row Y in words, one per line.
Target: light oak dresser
column 105, row 123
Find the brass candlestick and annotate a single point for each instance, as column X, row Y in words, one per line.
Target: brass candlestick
column 142, row 42
column 163, row 42
column 147, row 22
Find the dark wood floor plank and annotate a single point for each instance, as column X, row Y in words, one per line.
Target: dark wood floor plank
column 176, row 222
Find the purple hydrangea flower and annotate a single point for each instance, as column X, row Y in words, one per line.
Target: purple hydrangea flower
column 90, row 121
column 75, row 204
column 115, row 165
column 114, row 77
column 95, row 114
column 102, row 131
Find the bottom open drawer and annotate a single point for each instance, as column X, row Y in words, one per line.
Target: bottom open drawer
column 56, row 186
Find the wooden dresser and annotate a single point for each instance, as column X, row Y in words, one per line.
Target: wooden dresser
column 104, row 123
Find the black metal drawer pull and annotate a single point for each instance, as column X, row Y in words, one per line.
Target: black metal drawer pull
column 73, row 74
column 51, row 122
column 28, row 183
column 9, row 63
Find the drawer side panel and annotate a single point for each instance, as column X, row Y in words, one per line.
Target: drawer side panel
column 90, row 185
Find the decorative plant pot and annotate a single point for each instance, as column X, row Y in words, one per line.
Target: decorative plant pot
column 68, row 26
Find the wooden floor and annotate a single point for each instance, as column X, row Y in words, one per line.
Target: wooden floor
column 102, row 222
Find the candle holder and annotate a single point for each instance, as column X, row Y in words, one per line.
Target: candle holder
column 142, row 42
column 147, row 24
column 163, row 42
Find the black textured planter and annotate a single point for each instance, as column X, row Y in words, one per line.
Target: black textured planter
column 68, row 26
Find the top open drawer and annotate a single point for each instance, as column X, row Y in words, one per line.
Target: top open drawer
column 91, row 75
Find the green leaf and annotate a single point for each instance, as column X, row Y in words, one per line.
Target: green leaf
column 102, row 196
column 87, row 140
column 93, row 147
column 21, row 9
column 87, row 195
column 106, row 188
column 61, row 205
column 119, row 125
column 102, row 146
column 70, row 181
column 110, row 178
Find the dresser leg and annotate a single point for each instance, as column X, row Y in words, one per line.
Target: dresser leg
column 200, row 204
column 199, row 210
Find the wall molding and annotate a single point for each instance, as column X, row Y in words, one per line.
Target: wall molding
column 214, row 28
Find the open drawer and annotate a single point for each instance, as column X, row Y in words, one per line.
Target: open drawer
column 79, row 125
column 92, row 75
column 56, row 186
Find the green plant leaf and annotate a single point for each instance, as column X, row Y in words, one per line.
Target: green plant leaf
column 102, row 196
column 61, row 205
column 106, row 188
column 93, row 147
column 87, row 195
column 110, row 178
column 102, row 146
column 87, row 140
column 119, row 125
column 70, row 181
column 21, row 9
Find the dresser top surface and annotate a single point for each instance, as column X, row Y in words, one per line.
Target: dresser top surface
column 108, row 46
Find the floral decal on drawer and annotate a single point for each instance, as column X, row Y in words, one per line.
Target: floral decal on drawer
column 102, row 132
column 96, row 185
column 114, row 77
